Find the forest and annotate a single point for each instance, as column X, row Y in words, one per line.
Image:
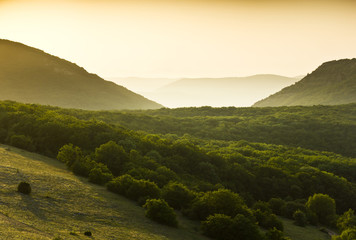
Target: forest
column 233, row 169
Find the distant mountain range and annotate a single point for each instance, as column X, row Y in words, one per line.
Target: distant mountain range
column 218, row 92
column 32, row 76
column 332, row 83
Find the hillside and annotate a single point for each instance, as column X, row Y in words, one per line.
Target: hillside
column 64, row 206
column 218, row 92
column 32, row 76
column 332, row 83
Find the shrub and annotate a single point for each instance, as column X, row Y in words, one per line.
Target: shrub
column 300, row 218
column 133, row 188
column 69, row 154
column 290, row 207
column 88, row 233
column 100, row 174
column 275, row 234
column 120, row 184
column 177, row 195
column 22, row 141
column 276, row 205
column 24, row 187
column 158, row 210
column 222, row 201
column 143, row 188
column 223, row 227
column 268, row 220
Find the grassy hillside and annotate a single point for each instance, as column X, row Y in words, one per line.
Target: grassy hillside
column 33, row 76
column 332, row 83
column 64, row 206
column 217, row 92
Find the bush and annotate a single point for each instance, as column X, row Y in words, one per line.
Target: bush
column 24, row 187
column 300, row 218
column 348, row 234
column 268, row 220
column 22, row 141
column 177, row 195
column 143, row 188
column 275, row 234
column 100, row 174
column 133, row 188
column 158, row 210
column 222, row 201
column 223, row 227
column 69, row 154
column 290, row 207
column 88, row 233
column 276, row 205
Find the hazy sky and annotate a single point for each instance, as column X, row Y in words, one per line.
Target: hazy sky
column 192, row 38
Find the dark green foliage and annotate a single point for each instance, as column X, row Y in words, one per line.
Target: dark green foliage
column 348, row 234
column 159, row 211
column 69, row 154
column 24, row 187
column 290, row 207
column 267, row 219
column 133, row 188
column 88, row 233
column 222, row 201
column 177, row 195
column 276, row 205
column 300, row 218
column 324, row 207
column 100, row 174
column 346, row 220
column 113, row 156
column 223, row 227
column 275, row 234
column 21, row 141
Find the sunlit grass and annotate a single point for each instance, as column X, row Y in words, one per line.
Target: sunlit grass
column 303, row 233
column 64, row 206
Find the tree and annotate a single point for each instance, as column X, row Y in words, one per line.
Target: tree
column 300, row 218
column 348, row 234
column 100, row 174
column 112, row 155
column 347, row 220
column 177, row 195
column 222, row 201
column 69, row 154
column 159, row 211
column 323, row 206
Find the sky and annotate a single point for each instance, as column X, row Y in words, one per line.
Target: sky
column 195, row 38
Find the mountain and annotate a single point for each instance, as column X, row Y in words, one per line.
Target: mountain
column 218, row 92
column 332, row 83
column 138, row 84
column 32, row 76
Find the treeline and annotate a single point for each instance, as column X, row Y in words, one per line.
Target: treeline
column 323, row 128
column 193, row 175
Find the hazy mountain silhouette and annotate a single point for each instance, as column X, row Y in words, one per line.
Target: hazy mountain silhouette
column 33, row 76
column 217, row 92
column 332, row 83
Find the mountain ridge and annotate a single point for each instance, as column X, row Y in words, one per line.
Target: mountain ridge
column 30, row 75
column 332, row 83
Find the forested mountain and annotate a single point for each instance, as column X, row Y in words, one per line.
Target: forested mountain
column 332, row 83
column 33, row 76
column 217, row 92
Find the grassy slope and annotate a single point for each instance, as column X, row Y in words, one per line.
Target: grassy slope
column 62, row 203
column 302, row 233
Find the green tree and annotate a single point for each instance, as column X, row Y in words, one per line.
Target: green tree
column 323, row 206
column 159, row 211
column 177, row 195
column 69, row 154
column 112, row 155
column 346, row 220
